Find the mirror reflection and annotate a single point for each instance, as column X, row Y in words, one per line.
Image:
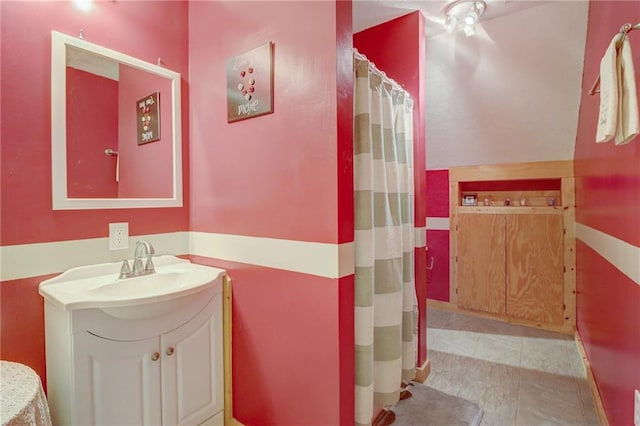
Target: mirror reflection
column 118, row 126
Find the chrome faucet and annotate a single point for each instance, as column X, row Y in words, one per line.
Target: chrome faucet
column 148, row 268
column 143, row 248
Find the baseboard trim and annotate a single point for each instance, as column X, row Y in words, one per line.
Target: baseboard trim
column 568, row 329
column 445, row 306
column 423, row 372
column 593, row 386
column 229, row 420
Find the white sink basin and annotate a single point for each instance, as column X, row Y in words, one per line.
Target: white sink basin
column 146, row 296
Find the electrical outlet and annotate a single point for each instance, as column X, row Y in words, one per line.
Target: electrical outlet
column 636, row 408
column 118, row 236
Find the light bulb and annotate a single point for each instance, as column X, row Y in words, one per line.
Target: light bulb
column 463, row 13
column 471, row 18
column 83, row 5
column 469, row 30
column 450, row 24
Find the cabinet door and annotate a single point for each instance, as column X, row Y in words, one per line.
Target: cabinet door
column 192, row 368
column 481, row 262
column 116, row 382
column 535, row 275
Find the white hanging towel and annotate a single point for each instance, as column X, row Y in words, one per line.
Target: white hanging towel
column 608, row 95
column 628, row 124
column 618, row 98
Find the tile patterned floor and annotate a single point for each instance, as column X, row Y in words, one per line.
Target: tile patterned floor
column 519, row 375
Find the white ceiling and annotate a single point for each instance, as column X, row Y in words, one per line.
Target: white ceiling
column 368, row 13
column 509, row 94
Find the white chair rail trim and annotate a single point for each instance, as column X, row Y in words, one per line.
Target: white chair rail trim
column 624, row 256
column 321, row 259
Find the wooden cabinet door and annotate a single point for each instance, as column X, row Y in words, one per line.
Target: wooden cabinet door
column 535, row 275
column 481, row 262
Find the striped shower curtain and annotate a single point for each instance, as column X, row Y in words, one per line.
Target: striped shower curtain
column 386, row 303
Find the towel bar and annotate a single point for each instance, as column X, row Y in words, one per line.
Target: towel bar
column 624, row 30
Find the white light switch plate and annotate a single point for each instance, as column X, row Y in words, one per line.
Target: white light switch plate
column 636, row 408
column 118, row 236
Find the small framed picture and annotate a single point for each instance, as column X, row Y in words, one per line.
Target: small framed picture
column 148, row 118
column 469, row 199
column 250, row 83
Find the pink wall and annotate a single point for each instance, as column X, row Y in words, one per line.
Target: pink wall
column 287, row 161
column 90, row 173
column 437, row 199
column 25, row 165
column 608, row 318
column 22, row 324
column 26, row 139
column 397, row 48
column 344, row 154
column 143, row 168
column 608, row 200
column 285, row 176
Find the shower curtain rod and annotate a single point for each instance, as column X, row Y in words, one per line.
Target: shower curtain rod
column 624, row 30
column 381, row 74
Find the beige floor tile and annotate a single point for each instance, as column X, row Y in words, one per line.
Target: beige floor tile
column 474, row 324
column 546, row 398
column 588, row 407
column 445, row 381
column 591, row 417
column 432, row 336
column 539, row 333
column 443, row 361
column 500, row 349
column 576, row 361
column 437, row 318
column 492, row 386
column 447, row 371
column 520, row 376
column 546, row 355
column 550, row 364
column 456, row 342
column 557, row 345
column 494, row 374
column 542, row 416
column 506, row 416
column 492, row 398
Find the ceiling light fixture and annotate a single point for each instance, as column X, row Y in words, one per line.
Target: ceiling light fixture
column 83, row 5
column 463, row 13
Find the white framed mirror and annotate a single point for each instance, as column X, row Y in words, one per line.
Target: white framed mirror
column 116, row 139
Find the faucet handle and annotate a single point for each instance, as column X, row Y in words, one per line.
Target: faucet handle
column 148, row 267
column 125, row 271
column 137, row 266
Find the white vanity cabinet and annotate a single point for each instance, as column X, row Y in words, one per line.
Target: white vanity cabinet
column 166, row 370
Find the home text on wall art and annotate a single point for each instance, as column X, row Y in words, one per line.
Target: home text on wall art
column 148, row 118
column 250, row 84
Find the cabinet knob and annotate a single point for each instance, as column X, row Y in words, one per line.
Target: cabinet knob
column 170, row 350
column 155, row 356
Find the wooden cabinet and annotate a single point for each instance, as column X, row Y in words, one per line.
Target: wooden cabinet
column 481, row 262
column 513, row 254
column 511, row 264
column 534, row 267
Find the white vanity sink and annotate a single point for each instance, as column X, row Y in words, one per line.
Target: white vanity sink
column 174, row 283
column 139, row 350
